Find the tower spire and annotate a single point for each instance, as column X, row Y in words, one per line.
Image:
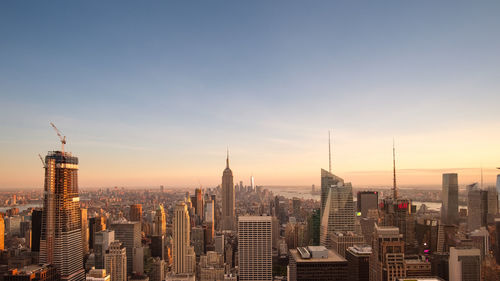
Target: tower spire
column 329, row 154
column 395, row 189
column 227, row 157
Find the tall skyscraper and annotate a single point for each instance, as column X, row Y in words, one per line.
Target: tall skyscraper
column 102, row 241
column 85, row 231
column 61, row 237
column 136, row 212
column 160, row 222
column 255, row 247
column 498, row 193
column 339, row 212
column 367, row 200
column 2, row 233
column 387, row 258
column 327, row 181
column 183, row 252
column 497, row 236
column 449, row 194
column 477, row 206
column 358, row 258
column 36, row 226
column 129, row 233
column 465, row 264
column 115, row 261
column 199, row 202
column 492, row 203
column 228, row 199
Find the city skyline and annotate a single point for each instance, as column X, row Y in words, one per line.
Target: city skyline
column 156, row 100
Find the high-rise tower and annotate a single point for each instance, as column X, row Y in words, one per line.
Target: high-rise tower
column 449, row 194
column 184, row 257
column 61, row 237
column 228, row 201
column 255, row 247
column 160, row 222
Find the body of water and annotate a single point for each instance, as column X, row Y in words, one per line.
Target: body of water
column 21, row 207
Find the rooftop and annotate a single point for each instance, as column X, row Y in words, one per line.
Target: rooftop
column 360, row 249
column 332, row 256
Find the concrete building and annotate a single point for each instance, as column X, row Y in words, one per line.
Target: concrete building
column 43, row 272
column 160, row 222
column 98, row 275
column 465, row 264
column 255, row 248
column 61, row 237
column 316, row 263
column 417, row 266
column 211, row 266
column 341, row 241
column 183, row 252
column 102, row 240
column 327, row 181
column 115, row 261
column 85, row 231
column 136, row 212
column 387, row 258
column 367, row 200
column 449, row 194
column 158, row 270
column 129, row 233
column 358, row 260
column 477, row 207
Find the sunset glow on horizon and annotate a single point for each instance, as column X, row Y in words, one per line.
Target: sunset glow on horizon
column 156, row 100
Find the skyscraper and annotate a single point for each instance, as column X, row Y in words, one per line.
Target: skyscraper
column 136, row 212
column 228, row 199
column 129, row 233
column 338, row 212
column 160, row 222
column 36, row 226
column 477, row 206
column 199, row 202
column 449, row 194
column 255, row 247
column 85, row 231
column 465, row 264
column 115, row 261
column 327, row 181
column 387, row 258
column 498, row 193
column 316, row 263
column 182, row 250
column 367, row 200
column 61, row 237
column 102, row 241
column 2, row 232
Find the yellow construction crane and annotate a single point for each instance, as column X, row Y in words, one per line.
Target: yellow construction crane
column 61, row 137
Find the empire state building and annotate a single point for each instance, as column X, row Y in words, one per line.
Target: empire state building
column 228, row 217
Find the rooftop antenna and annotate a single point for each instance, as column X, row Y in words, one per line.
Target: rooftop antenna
column 395, row 189
column 227, row 157
column 329, row 154
column 481, row 176
column 61, row 137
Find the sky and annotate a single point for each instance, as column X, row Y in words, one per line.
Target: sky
column 152, row 93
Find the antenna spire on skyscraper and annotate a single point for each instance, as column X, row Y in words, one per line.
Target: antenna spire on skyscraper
column 227, row 157
column 329, row 154
column 395, row 189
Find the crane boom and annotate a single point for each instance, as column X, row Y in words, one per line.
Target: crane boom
column 60, row 135
column 41, row 159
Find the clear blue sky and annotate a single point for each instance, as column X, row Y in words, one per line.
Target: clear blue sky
column 152, row 92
